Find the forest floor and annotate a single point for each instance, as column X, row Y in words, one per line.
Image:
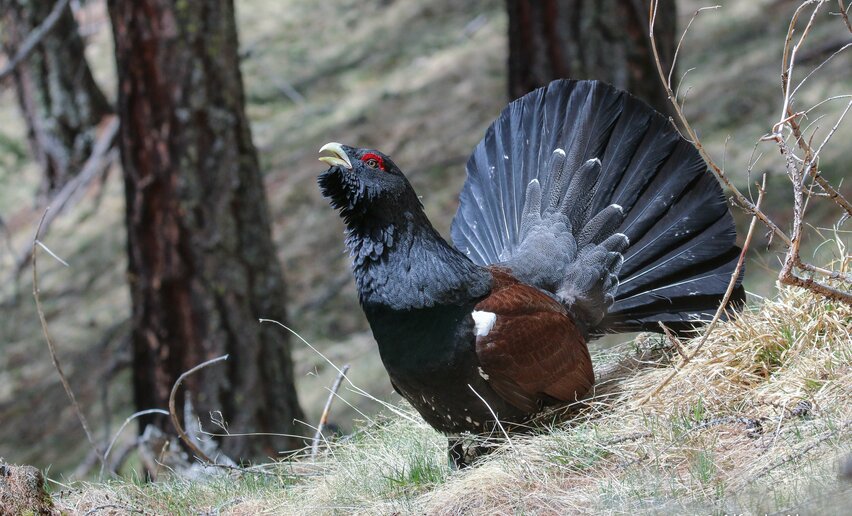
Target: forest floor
column 758, row 422
column 422, row 81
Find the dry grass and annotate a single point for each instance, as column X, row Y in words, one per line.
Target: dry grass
column 754, row 423
column 425, row 91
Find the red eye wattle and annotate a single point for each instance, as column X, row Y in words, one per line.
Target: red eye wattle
column 373, row 160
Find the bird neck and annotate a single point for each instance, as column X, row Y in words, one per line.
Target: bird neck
column 400, row 262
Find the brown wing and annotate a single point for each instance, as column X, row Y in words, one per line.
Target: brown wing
column 534, row 349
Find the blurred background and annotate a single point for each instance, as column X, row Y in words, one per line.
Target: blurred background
column 420, row 81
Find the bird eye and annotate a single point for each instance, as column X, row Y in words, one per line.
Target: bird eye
column 373, row 161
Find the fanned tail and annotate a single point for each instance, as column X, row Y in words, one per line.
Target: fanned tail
column 598, row 162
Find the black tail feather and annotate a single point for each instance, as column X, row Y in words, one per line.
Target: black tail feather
column 682, row 239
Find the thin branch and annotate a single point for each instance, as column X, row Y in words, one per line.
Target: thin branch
column 815, row 286
column 34, row 38
column 675, row 342
column 815, row 70
column 682, row 36
column 797, row 174
column 496, row 419
column 50, row 346
column 94, row 164
column 51, row 253
column 722, row 306
column 803, row 144
column 740, row 199
column 835, row 275
column 844, row 13
column 122, row 427
column 823, row 101
column 789, row 57
column 325, row 411
column 355, row 388
column 173, row 410
column 833, row 130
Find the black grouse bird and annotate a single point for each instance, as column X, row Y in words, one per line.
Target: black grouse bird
column 584, row 212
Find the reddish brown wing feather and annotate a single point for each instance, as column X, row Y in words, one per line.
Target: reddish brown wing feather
column 534, row 349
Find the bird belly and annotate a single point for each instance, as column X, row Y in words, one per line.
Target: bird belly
column 458, row 405
column 430, row 356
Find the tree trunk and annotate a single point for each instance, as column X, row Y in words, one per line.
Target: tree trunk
column 202, row 265
column 58, row 96
column 589, row 39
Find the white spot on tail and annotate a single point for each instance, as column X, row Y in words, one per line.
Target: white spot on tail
column 483, row 322
column 618, row 207
column 559, row 151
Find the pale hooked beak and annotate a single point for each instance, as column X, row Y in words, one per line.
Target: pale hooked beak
column 338, row 155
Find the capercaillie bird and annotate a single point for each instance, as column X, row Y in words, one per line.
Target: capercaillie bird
column 584, row 212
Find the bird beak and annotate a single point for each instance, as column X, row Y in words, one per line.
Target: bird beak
column 338, row 155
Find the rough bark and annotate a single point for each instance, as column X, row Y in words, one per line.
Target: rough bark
column 589, row 39
column 58, row 96
column 202, row 265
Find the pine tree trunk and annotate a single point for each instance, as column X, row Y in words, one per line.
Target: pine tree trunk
column 589, row 39
column 57, row 94
column 202, row 265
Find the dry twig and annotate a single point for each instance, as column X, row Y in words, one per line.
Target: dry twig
column 34, row 38
column 844, row 14
column 675, row 342
column 797, row 168
column 173, row 410
column 50, row 345
column 121, row 428
column 740, row 199
column 354, row 388
column 325, row 411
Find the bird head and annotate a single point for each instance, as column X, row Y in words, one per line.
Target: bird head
column 363, row 181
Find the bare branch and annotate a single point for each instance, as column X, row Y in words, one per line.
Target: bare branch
column 121, row 428
column 740, row 199
column 797, row 168
column 354, row 388
column 797, row 174
column 823, row 63
column 173, row 411
column 789, row 57
column 833, row 194
column 833, row 130
column 325, row 411
column 844, row 13
column 34, row 38
column 680, row 41
column 50, row 346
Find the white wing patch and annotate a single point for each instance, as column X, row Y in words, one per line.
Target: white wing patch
column 483, row 322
